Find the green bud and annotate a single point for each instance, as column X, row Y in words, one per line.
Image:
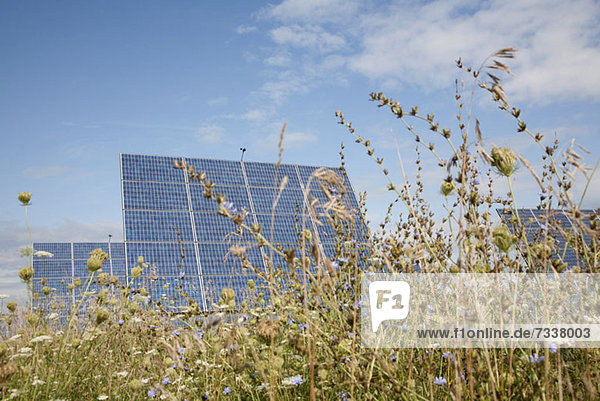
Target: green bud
column 77, row 282
column 101, row 316
column 26, row 274
column 447, row 188
column 11, row 306
column 94, row 263
column 46, row 290
column 504, row 160
column 32, row 319
column 502, row 238
column 24, row 198
column 136, row 272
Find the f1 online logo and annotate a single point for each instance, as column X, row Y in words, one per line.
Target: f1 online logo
column 388, row 301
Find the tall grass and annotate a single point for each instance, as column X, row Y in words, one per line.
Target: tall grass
column 298, row 335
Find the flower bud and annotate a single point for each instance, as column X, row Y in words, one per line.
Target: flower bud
column 77, row 282
column 447, row 188
column 504, row 160
column 101, row 316
column 502, row 238
column 94, row 263
column 46, row 290
column 136, row 272
column 26, row 274
column 24, row 198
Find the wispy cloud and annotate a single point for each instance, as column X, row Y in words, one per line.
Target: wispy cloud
column 416, row 43
column 244, row 29
column 44, row 171
column 218, row 101
column 211, row 133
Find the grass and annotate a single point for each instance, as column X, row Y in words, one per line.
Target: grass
column 304, row 343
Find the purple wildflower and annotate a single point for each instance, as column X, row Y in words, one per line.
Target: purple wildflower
column 176, row 332
column 552, row 347
column 152, row 393
column 120, row 322
column 199, row 334
column 393, row 357
column 440, row 381
column 166, row 380
column 302, row 326
column 296, row 380
column 182, row 275
column 227, row 390
column 535, row 358
column 229, row 207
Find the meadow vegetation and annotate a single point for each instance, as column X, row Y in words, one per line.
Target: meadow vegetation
column 298, row 335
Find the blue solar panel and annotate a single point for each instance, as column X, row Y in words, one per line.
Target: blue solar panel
column 266, row 175
column 59, row 250
column 154, row 196
column 154, row 202
column 236, row 195
column 156, row 168
column 50, row 267
column 159, row 226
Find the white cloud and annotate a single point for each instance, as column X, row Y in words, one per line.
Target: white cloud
column 406, row 43
column 310, row 37
column 211, row 133
column 256, row 115
column 244, row 29
column 282, row 59
column 313, row 10
column 44, row 171
column 218, row 101
column 291, row 140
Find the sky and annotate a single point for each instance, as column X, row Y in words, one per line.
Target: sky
column 82, row 82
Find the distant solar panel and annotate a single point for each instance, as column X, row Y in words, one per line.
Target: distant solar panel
column 556, row 225
column 69, row 261
column 164, row 212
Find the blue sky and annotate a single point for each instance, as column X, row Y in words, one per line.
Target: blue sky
column 81, row 82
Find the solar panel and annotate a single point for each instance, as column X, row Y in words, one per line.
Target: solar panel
column 551, row 225
column 164, row 211
column 69, row 261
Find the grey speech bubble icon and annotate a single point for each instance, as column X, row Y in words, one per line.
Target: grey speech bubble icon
column 388, row 300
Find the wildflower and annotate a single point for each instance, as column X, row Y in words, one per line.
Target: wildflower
column 152, row 393
column 24, row 198
column 342, row 260
column 447, row 187
column 393, row 357
column 136, row 271
column 122, row 374
column 302, row 326
column 43, row 254
column 102, row 397
column 120, row 322
column 343, row 396
column 101, row 316
column 552, row 347
column 182, row 275
column 26, row 274
column 152, row 326
column 502, row 238
column 347, row 286
column 448, row 355
column 11, row 306
column 504, row 160
column 475, row 181
column 440, row 381
column 37, row 382
column 292, row 381
column 199, row 334
column 228, row 208
column 535, row 358
column 94, row 263
column 40, row 339
column 227, row 390
column 166, row 381
column 176, row 332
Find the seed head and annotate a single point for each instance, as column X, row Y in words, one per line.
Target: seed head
column 502, row 238
column 46, row 290
column 26, row 274
column 504, row 160
column 101, row 316
column 447, row 188
column 94, row 263
column 11, row 306
column 24, row 198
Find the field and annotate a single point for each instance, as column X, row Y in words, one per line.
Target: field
column 298, row 337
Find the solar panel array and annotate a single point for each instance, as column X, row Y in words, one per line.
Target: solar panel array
column 539, row 223
column 168, row 220
column 69, row 261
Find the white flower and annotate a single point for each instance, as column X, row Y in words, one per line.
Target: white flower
column 37, row 382
column 122, row 374
column 43, row 254
column 53, row 316
column 25, row 350
column 102, row 397
column 145, row 381
column 40, row 339
column 15, row 337
column 2, row 296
